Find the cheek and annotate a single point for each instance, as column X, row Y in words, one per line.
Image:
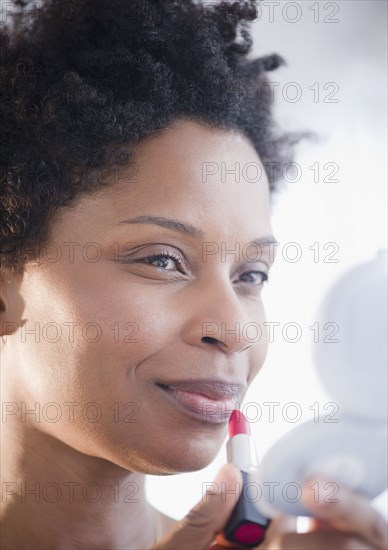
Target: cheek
column 256, row 334
column 87, row 362
column 93, row 332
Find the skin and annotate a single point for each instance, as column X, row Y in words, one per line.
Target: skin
column 139, row 431
column 168, row 309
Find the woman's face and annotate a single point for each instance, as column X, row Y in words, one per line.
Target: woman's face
column 111, row 323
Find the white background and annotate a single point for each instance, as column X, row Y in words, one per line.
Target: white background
column 352, row 53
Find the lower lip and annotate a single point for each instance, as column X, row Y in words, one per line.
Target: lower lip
column 200, row 406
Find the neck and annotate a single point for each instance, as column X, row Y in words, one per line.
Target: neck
column 56, row 497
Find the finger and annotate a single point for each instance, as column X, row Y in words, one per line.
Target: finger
column 325, row 540
column 199, row 527
column 319, row 525
column 346, row 511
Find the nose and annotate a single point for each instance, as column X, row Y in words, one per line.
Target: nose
column 219, row 318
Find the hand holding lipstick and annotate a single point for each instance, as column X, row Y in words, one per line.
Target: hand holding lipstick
column 223, row 513
column 351, row 523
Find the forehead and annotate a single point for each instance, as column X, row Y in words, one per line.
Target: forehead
column 207, row 177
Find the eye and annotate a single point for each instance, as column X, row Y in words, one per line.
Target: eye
column 161, row 261
column 159, row 264
column 257, row 278
column 164, row 261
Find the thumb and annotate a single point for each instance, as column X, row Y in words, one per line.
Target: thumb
column 197, row 530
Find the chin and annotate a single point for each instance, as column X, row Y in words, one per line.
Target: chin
column 177, row 452
column 188, row 460
column 179, row 462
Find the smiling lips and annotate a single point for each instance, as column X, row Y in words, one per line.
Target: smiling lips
column 210, row 400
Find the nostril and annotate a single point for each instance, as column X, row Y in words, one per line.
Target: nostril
column 209, row 340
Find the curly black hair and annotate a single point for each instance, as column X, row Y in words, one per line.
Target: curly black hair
column 80, row 77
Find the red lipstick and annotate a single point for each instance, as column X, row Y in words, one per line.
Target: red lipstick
column 238, row 424
column 246, row 526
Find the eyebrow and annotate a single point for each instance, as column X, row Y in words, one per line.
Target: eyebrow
column 188, row 229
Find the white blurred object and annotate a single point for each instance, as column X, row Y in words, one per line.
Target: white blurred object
column 354, row 370
column 351, row 450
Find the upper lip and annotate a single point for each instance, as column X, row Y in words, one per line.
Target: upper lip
column 212, row 388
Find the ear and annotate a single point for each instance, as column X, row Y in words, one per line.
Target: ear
column 11, row 304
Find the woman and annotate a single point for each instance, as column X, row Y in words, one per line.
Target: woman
column 128, row 131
